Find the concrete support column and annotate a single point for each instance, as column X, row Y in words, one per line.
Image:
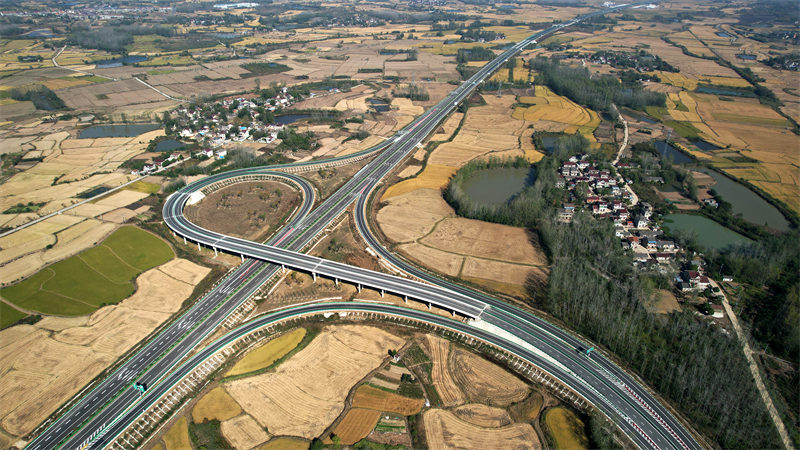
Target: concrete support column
column 198, row 247
column 405, row 298
column 336, row 280
column 382, row 293
column 314, row 276
column 429, row 305
column 359, row 287
column 184, row 241
column 215, row 251
column 242, row 257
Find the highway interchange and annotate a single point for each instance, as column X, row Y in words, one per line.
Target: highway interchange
column 112, row 405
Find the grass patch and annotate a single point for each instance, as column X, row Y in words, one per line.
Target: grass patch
column 267, row 68
column 685, row 129
column 309, row 336
column 9, row 315
column 268, row 353
column 215, row 405
column 96, row 277
column 143, row 186
column 20, row 208
column 178, row 436
column 369, row 445
column 207, row 435
column 566, row 429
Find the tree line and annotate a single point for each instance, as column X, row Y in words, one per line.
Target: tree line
column 597, row 92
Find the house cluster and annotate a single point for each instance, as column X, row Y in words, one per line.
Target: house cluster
column 692, row 280
column 649, row 246
column 605, row 193
column 234, row 120
column 156, row 164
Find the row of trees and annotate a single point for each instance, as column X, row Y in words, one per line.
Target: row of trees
column 597, row 92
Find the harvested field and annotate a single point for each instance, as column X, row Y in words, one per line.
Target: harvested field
column 435, row 176
column 486, row 382
column 215, row 405
column 486, row 240
column 285, row 443
column 243, row 432
column 356, row 425
column 306, row 393
column 369, row 397
column 482, row 415
column 177, row 438
column 444, row 430
column 268, row 353
column 446, row 387
column 33, row 361
column 447, row 263
column 410, row 216
column 565, row 428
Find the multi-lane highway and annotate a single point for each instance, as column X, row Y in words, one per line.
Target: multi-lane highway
column 645, row 421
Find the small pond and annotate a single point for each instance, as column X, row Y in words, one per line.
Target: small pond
column 498, row 185
column 746, row 56
column 117, row 62
column 723, row 34
column 549, row 143
column 705, row 146
column 378, row 105
column 168, row 145
column 672, row 153
column 286, row 119
column 122, row 130
column 750, row 205
column 710, row 234
column 719, row 91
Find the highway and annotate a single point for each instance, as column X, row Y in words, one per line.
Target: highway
column 642, row 418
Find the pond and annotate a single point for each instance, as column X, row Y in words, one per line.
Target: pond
column 168, row 145
column 710, row 234
column 122, row 130
column 672, row 153
column 718, row 91
column 723, row 34
column 746, row 56
column 705, row 146
column 117, row 62
column 498, row 185
column 378, row 105
column 750, row 205
column 549, row 143
column 286, row 119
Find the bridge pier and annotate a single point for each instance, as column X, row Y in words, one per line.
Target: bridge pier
column 198, row 247
column 184, row 241
column 336, row 281
column 242, row 257
column 382, row 293
column 405, row 298
column 314, row 275
column 215, row 251
column 359, row 287
column 283, row 268
column 429, row 305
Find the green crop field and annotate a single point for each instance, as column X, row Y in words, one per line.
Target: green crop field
column 98, row 276
column 9, row 315
column 143, row 186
